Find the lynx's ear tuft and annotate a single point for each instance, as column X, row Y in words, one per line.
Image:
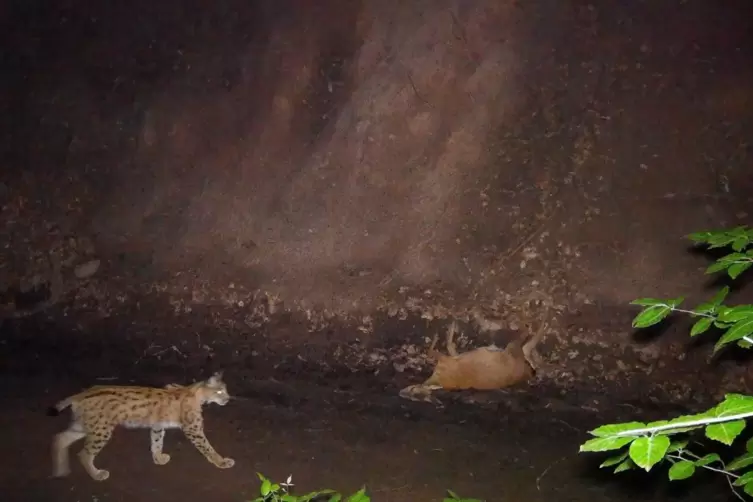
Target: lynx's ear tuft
column 216, row 378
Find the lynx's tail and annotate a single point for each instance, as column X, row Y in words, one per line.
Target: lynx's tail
column 55, row 410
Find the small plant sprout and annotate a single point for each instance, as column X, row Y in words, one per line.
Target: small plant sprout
column 280, row 492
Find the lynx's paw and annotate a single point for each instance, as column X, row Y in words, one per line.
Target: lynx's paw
column 100, row 475
column 161, row 458
column 226, row 463
column 61, row 471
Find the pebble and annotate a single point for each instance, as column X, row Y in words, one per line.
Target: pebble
column 86, row 270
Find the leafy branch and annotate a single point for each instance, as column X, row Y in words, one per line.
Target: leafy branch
column 646, row 445
column 736, row 323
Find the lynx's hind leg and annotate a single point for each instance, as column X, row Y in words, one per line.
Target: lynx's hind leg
column 157, row 437
column 95, row 440
column 60, row 446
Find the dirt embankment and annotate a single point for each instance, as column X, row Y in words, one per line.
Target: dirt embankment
column 315, row 188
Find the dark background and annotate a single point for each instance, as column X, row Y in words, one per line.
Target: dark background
column 302, row 193
column 310, row 189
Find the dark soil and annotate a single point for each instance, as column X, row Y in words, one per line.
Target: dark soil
column 341, row 433
column 401, row 452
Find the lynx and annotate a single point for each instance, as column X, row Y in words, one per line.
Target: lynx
column 98, row 410
column 484, row 368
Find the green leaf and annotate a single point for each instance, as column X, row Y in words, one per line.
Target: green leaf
column 729, row 261
column 722, row 325
column 289, row 498
column 735, row 238
column 335, row 498
column 740, row 462
column 605, row 444
column 455, row 497
column 721, row 239
column 712, row 305
column 748, row 489
column 700, row 237
column 705, row 308
column 612, row 429
column 749, row 445
column 733, row 404
column 681, row 470
column 315, row 495
column 725, row 432
column 657, row 423
column 677, row 445
column 651, row 315
column 736, row 269
column 735, row 314
column 708, row 459
column 359, row 496
column 718, row 266
column 741, row 231
column 720, row 296
column 735, row 396
column 744, row 479
column 744, row 344
column 740, row 243
column 614, row 460
column 701, row 326
column 266, row 488
column 627, row 465
column 649, row 302
column 733, row 257
column 648, row 451
column 736, row 332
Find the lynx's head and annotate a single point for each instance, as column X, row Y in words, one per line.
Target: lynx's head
column 214, row 390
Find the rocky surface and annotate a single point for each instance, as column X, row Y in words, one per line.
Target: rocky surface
column 295, row 199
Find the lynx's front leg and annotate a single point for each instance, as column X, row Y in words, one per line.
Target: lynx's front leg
column 193, row 428
column 158, row 440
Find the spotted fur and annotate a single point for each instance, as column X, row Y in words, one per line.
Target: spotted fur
column 98, row 410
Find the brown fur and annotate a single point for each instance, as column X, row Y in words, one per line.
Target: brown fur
column 484, row 368
column 99, row 409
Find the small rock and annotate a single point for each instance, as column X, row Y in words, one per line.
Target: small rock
column 86, row 270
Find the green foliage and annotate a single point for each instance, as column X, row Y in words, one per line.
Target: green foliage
column 453, row 497
column 735, row 323
column 635, row 444
column 281, row 492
